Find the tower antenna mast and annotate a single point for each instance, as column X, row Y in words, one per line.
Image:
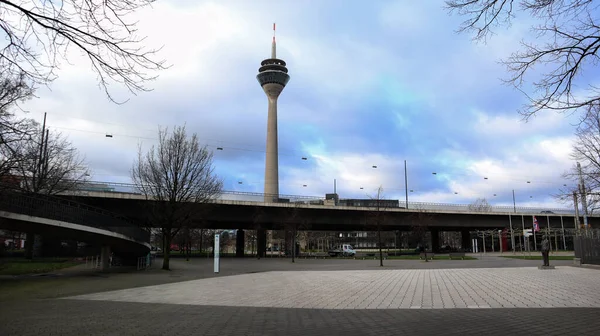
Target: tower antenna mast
column 274, row 44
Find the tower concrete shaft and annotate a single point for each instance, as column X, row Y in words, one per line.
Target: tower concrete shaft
column 271, row 190
column 272, row 76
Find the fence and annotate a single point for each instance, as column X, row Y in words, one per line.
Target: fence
column 50, row 207
column 227, row 195
column 587, row 246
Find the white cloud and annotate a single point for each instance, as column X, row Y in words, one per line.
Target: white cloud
column 216, row 50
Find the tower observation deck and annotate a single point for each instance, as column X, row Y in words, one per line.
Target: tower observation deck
column 272, row 77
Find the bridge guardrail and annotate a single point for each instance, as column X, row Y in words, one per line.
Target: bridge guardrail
column 50, row 207
column 227, row 195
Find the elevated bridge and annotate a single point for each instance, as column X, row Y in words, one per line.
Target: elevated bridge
column 63, row 219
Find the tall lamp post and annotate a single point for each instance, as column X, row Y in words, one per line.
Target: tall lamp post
column 406, row 184
column 514, row 202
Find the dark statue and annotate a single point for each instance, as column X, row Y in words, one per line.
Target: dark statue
column 546, row 250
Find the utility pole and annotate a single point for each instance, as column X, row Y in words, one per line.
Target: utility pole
column 36, row 178
column 583, row 196
column 45, row 157
column 577, row 225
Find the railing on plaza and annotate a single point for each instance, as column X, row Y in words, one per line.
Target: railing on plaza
column 113, row 187
column 587, row 246
column 56, row 208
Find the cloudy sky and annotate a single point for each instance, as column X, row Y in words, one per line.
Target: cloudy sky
column 372, row 83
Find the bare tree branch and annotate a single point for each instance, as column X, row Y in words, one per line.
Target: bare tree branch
column 39, row 34
column 586, row 151
column 176, row 176
column 565, row 45
column 377, row 218
column 61, row 168
column 480, row 205
column 420, row 222
column 13, row 131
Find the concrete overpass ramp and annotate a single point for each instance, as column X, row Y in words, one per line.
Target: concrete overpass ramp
column 64, row 219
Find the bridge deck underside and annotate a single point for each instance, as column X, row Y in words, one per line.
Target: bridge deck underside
column 228, row 216
column 66, row 233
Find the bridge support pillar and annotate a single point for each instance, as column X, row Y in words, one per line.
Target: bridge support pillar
column 261, row 242
column 465, row 239
column 239, row 243
column 105, row 258
column 435, row 240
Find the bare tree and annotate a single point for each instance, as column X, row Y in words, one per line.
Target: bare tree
column 294, row 221
column 39, row 35
column 420, row 222
column 50, row 164
column 480, row 205
column 258, row 219
column 377, row 218
column 13, row 131
column 177, row 176
column 586, row 151
column 565, row 42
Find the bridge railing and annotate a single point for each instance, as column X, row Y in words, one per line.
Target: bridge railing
column 50, row 207
column 226, row 195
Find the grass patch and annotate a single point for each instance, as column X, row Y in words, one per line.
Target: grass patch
column 24, row 266
column 539, row 257
column 442, row 257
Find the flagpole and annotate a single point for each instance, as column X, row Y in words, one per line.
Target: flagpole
column 535, row 230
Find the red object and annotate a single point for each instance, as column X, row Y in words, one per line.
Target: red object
column 10, row 180
column 536, row 226
column 504, row 240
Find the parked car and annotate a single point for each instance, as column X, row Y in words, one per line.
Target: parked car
column 345, row 250
column 547, row 212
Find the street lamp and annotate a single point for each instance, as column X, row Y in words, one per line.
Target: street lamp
column 406, row 184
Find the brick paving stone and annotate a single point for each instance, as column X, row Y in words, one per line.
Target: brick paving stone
column 81, row 317
column 379, row 289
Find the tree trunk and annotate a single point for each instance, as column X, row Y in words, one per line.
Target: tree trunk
column 200, row 247
column 380, row 248
column 29, row 241
column 293, row 246
column 187, row 245
column 167, row 251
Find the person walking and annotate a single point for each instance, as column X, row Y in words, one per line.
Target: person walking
column 546, row 250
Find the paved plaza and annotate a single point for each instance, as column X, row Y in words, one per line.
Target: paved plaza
column 314, row 297
column 525, row 287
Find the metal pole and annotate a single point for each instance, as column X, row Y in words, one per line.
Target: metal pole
column 575, row 203
column 550, row 240
column 523, row 223
column 40, row 156
column 483, row 241
column 534, row 234
column 406, row 183
column 583, row 196
column 514, row 202
column 562, row 225
column 45, row 162
column 500, row 240
column 512, row 233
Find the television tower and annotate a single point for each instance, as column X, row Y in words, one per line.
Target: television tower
column 272, row 76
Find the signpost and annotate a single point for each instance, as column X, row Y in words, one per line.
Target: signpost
column 216, row 252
